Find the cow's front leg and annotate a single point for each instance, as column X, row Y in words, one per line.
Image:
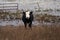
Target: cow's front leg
column 30, row 24
column 25, row 25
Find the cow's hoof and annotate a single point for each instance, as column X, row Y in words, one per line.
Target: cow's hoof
column 30, row 28
column 25, row 27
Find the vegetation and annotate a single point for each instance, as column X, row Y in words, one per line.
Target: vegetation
column 39, row 17
column 47, row 18
column 37, row 33
column 57, row 9
column 3, row 15
column 44, row 32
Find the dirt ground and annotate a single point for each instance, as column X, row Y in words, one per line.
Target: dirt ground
column 36, row 33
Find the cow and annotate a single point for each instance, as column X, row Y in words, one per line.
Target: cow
column 27, row 18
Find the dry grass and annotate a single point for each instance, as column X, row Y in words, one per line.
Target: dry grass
column 37, row 33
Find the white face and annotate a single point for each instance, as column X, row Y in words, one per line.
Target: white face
column 27, row 14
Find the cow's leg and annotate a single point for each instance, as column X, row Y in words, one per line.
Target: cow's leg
column 25, row 25
column 30, row 24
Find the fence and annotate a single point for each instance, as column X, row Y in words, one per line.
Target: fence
column 8, row 7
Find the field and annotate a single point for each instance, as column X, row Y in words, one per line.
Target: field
column 36, row 33
column 39, row 32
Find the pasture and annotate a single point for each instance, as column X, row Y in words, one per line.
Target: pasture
column 37, row 33
column 41, row 30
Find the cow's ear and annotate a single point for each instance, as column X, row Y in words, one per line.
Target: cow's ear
column 23, row 12
column 31, row 12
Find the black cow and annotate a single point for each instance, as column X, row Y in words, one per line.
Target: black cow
column 27, row 18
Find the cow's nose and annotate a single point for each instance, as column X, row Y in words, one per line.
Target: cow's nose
column 27, row 17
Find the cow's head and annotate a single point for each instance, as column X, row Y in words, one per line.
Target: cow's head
column 27, row 14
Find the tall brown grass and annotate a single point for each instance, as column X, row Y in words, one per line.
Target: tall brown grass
column 37, row 33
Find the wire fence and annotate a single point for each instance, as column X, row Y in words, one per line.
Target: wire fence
column 8, row 7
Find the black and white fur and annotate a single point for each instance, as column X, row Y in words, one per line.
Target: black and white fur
column 27, row 18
